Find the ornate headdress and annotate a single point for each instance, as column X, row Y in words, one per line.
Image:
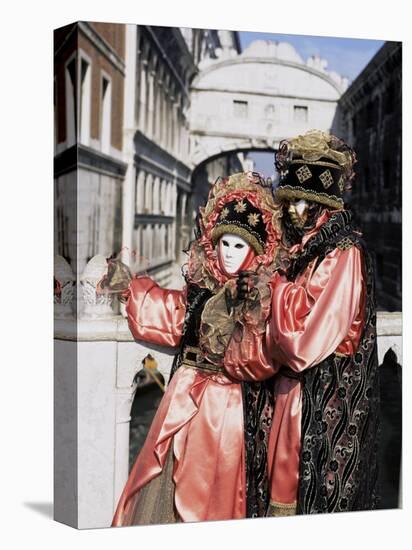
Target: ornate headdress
column 241, row 218
column 315, row 166
column 241, row 204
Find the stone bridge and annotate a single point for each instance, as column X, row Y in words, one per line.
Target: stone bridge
column 279, row 95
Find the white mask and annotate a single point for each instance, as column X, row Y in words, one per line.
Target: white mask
column 233, row 251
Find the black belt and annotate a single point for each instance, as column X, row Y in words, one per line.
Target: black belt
column 193, row 357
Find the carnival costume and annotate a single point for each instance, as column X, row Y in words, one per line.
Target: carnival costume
column 323, row 441
column 205, row 456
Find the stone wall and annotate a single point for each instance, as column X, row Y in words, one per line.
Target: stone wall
column 371, row 120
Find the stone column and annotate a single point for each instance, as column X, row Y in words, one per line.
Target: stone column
column 169, row 121
column 156, row 91
column 156, row 195
column 162, row 239
column 158, row 107
column 151, row 98
column 163, row 197
column 140, row 192
column 150, row 243
column 165, row 124
column 184, row 228
column 174, row 214
column 175, row 128
column 128, row 195
column 148, row 202
column 143, row 89
column 162, row 117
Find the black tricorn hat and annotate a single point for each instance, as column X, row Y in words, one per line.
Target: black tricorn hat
column 240, row 217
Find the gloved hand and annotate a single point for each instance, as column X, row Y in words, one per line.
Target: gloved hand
column 241, row 291
column 117, row 278
column 243, row 285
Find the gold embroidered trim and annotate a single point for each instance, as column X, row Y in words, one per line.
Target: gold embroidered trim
column 303, row 173
column 338, row 354
column 326, row 179
column 341, row 184
column 199, row 362
column 240, row 207
column 278, row 509
column 292, row 193
column 345, row 244
column 236, row 182
column 316, row 162
column 224, row 213
column 202, row 366
column 192, row 349
column 253, row 219
column 241, row 232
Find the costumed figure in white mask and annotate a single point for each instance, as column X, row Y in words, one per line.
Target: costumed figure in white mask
column 205, row 456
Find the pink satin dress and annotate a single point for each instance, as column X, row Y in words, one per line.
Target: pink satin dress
column 200, row 418
column 318, row 314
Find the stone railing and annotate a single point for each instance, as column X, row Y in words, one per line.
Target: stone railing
column 96, row 360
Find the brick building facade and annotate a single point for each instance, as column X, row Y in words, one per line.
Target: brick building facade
column 88, row 168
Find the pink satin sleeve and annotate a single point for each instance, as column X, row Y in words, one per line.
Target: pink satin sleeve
column 249, row 359
column 312, row 316
column 155, row 314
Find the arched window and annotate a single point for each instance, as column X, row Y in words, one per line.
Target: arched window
column 71, row 108
column 105, row 113
column 85, row 98
column 142, row 115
